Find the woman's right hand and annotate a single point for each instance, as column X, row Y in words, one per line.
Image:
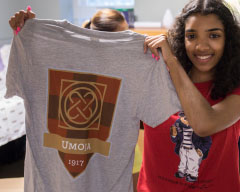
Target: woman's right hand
column 156, row 42
column 19, row 19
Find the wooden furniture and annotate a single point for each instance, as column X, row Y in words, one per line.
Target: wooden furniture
column 12, row 185
column 150, row 31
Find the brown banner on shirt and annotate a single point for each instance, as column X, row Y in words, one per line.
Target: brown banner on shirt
column 76, row 146
column 81, row 109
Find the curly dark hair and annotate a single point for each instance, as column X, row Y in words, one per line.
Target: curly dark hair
column 227, row 71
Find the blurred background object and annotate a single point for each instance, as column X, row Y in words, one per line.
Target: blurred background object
column 235, row 6
column 12, row 129
column 84, row 9
column 168, row 19
column 150, row 13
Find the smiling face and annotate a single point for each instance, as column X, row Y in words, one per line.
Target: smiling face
column 204, row 43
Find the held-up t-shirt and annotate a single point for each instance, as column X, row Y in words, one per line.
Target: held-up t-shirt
column 214, row 169
column 85, row 92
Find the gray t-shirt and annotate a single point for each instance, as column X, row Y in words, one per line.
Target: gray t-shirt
column 85, row 92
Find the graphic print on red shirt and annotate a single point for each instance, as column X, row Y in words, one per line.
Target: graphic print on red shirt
column 190, row 148
column 217, row 169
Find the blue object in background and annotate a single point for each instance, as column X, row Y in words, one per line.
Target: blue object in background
column 129, row 16
column 78, row 11
column 66, row 10
column 111, row 3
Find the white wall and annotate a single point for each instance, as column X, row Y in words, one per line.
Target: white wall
column 43, row 8
column 153, row 10
column 7, row 8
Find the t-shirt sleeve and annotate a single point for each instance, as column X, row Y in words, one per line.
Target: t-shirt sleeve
column 17, row 58
column 158, row 99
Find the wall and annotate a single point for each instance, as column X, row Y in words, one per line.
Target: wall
column 153, row 10
column 7, row 8
column 43, row 8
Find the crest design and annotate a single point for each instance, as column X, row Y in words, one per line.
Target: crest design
column 81, row 105
column 80, row 112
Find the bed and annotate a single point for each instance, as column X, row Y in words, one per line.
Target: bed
column 12, row 112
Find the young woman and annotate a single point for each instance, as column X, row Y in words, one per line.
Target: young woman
column 197, row 150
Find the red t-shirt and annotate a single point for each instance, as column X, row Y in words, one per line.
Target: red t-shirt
column 218, row 171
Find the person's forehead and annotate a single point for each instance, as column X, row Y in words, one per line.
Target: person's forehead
column 199, row 20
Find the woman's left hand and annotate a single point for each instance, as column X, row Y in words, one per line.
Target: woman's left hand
column 156, row 42
column 18, row 20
